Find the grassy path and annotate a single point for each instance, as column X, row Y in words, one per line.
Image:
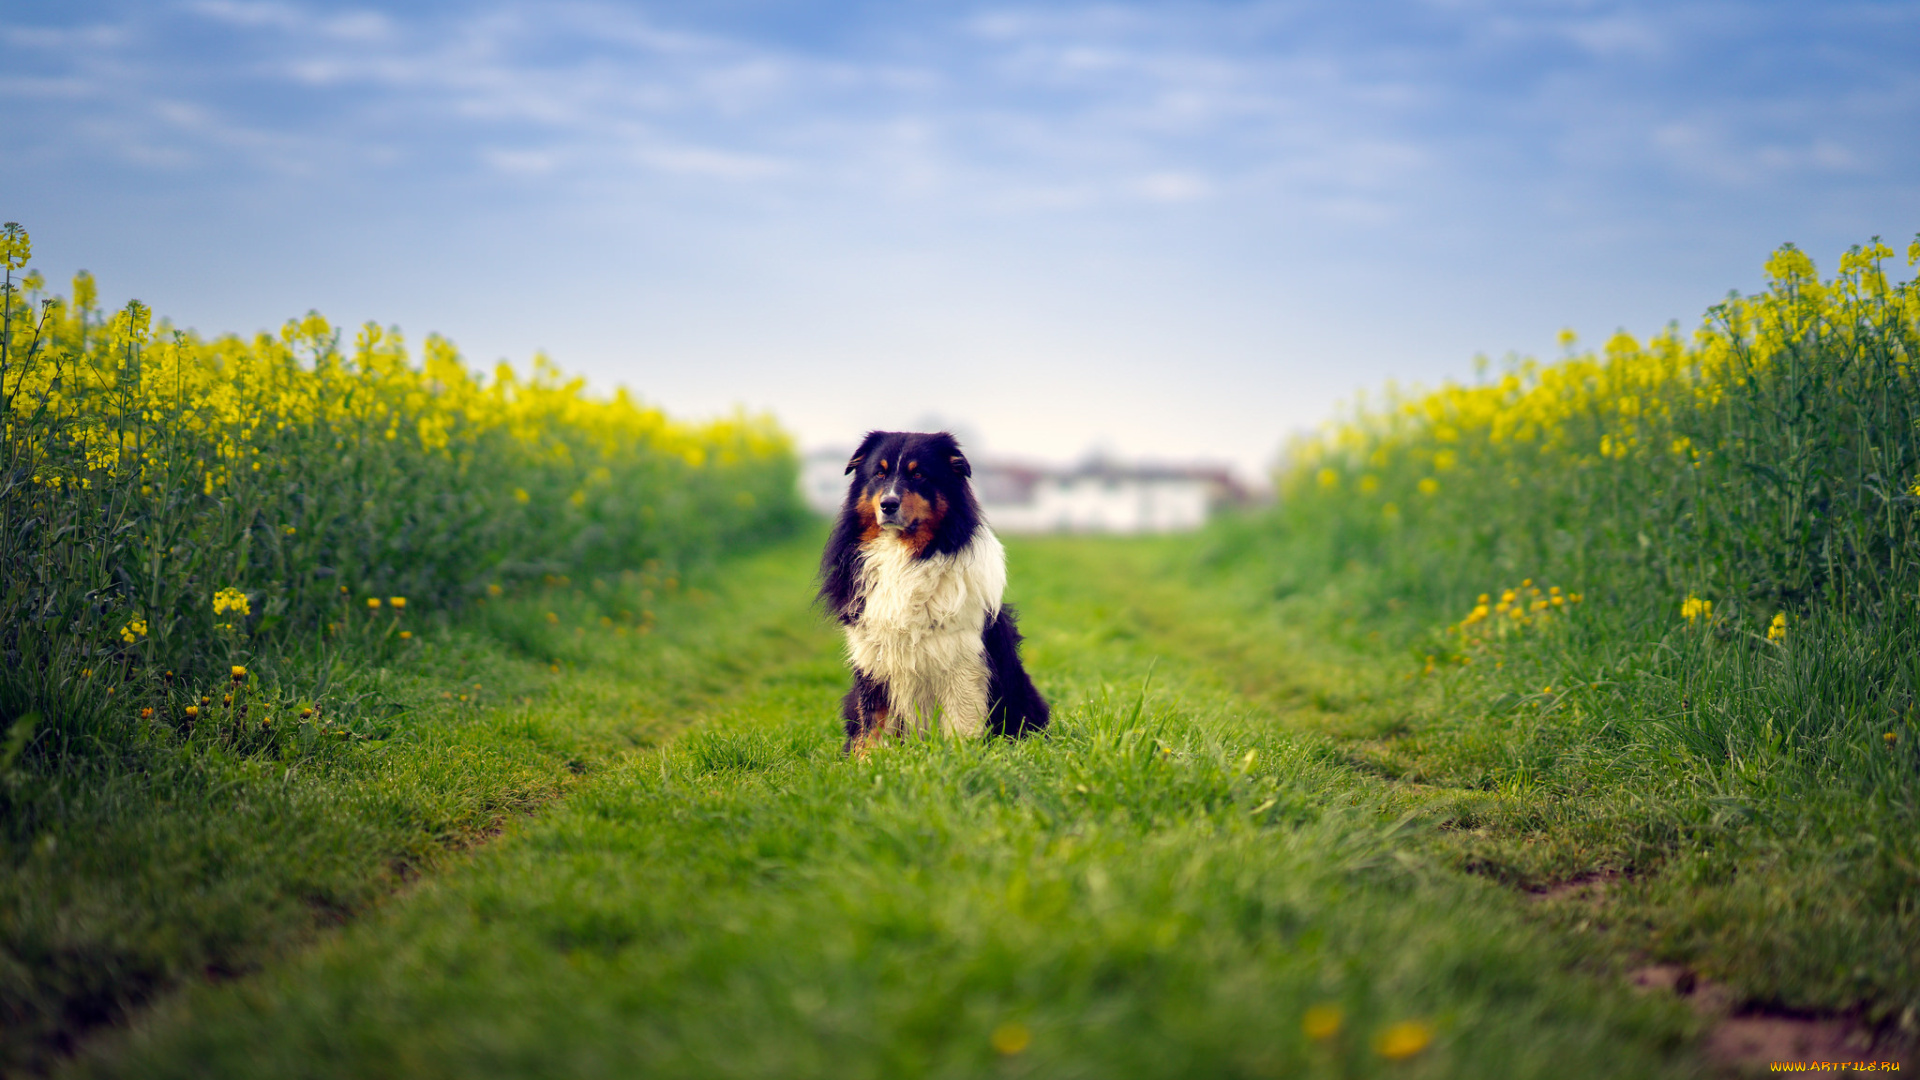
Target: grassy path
column 1191, row 876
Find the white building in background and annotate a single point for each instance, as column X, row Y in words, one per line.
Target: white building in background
column 1097, row 497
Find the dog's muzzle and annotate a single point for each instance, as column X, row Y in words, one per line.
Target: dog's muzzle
column 890, row 509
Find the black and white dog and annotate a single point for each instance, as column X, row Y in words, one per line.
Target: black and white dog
column 915, row 577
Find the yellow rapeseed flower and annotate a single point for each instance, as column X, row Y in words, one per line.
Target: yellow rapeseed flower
column 231, row 599
column 1694, row 609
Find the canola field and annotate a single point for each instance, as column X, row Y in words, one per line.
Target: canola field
column 371, row 716
column 1681, row 577
column 177, row 508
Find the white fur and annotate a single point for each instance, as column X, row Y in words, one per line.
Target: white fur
column 920, row 630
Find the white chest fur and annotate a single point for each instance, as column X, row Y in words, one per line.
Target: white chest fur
column 919, row 630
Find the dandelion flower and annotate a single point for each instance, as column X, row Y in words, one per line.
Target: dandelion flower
column 406, row 635
column 239, row 673
column 146, row 714
column 373, row 603
column 399, row 602
column 1405, row 1039
column 1011, row 1038
column 1322, row 1022
column 193, row 711
column 1777, row 630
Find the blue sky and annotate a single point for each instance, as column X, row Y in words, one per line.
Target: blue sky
column 1174, row 230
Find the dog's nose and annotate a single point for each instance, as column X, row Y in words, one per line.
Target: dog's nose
column 889, row 504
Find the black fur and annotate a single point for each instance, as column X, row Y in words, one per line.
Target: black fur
column 839, row 564
column 1017, row 708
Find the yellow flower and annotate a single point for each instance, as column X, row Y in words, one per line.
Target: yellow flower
column 239, row 673
column 373, row 603
column 233, row 600
column 135, row 629
column 399, row 602
column 1011, row 1038
column 1322, row 1022
column 1694, row 609
column 193, row 711
column 1428, row 485
column 1405, row 1039
column 1777, row 630
column 406, row 635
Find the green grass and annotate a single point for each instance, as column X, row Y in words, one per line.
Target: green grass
column 129, row 872
column 1195, row 857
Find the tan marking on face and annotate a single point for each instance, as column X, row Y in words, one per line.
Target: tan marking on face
column 924, row 520
column 869, row 514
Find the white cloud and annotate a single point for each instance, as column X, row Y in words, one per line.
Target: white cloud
column 1173, row 187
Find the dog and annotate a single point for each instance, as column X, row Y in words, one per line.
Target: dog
column 915, row 577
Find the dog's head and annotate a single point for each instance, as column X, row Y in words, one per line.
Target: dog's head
column 913, row 484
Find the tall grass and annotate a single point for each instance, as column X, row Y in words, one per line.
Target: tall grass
column 1739, row 515
column 172, row 507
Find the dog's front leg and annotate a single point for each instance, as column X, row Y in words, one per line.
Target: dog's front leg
column 866, row 712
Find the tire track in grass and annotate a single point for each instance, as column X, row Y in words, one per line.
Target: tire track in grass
column 1174, row 882
column 211, row 866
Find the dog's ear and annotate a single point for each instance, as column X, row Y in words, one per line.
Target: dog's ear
column 959, row 462
column 867, row 443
